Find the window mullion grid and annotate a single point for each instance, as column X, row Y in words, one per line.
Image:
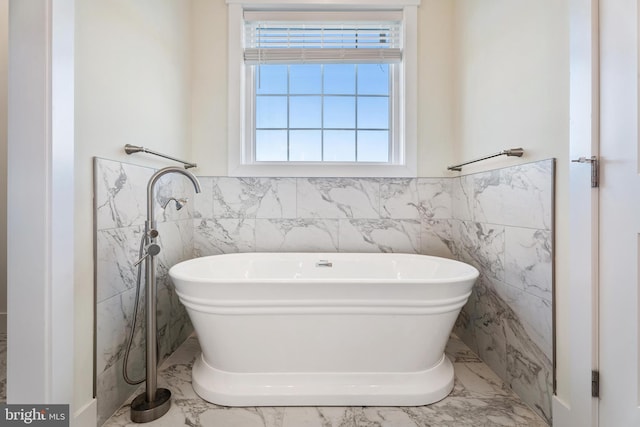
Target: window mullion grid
column 288, row 113
column 356, row 118
column 392, row 108
column 322, row 113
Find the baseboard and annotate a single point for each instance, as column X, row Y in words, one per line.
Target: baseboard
column 86, row 416
column 561, row 413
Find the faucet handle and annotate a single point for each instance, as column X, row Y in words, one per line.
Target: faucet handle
column 151, row 250
column 135, row 264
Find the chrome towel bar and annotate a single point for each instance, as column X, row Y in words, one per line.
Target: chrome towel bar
column 517, row 152
column 130, row 149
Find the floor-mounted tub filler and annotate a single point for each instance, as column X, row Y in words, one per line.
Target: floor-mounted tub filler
column 320, row 329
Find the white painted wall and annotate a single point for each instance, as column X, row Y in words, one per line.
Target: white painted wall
column 209, row 86
column 4, row 42
column 512, row 78
column 512, row 90
column 436, row 149
column 132, row 86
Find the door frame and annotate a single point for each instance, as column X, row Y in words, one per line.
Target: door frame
column 578, row 316
column 40, row 207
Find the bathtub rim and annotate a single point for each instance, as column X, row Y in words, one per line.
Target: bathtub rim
column 471, row 274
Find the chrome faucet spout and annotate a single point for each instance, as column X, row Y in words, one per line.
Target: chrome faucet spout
column 152, row 182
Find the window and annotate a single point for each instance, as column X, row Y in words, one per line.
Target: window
column 321, row 93
column 322, row 113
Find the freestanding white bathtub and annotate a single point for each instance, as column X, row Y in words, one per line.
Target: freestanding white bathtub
column 318, row 329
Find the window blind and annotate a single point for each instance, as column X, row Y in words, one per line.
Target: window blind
column 322, row 37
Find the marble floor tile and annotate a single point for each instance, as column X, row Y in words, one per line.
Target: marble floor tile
column 479, row 399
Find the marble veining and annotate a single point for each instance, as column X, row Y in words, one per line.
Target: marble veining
column 203, row 202
column 176, row 242
column 519, row 196
column 480, row 398
column 499, row 221
column 435, row 198
column 462, row 198
column 117, row 250
column 529, row 370
column 254, row 197
column 532, row 313
column 120, row 212
column 304, row 235
column 528, row 260
column 120, row 194
column 487, row 197
column 528, row 194
column 381, row 235
column 215, row 236
column 115, row 317
column 338, row 198
column 488, row 327
column 502, row 224
column 399, row 198
column 437, row 239
column 481, row 245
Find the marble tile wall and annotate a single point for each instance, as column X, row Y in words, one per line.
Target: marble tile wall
column 500, row 221
column 322, row 214
column 120, row 212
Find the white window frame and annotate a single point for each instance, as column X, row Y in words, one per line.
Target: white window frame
column 240, row 161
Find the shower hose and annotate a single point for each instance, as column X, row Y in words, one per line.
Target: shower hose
column 125, row 373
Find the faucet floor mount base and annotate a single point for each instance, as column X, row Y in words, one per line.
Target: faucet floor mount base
column 144, row 412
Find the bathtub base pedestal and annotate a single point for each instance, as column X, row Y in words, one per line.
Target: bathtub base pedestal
column 323, row 388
